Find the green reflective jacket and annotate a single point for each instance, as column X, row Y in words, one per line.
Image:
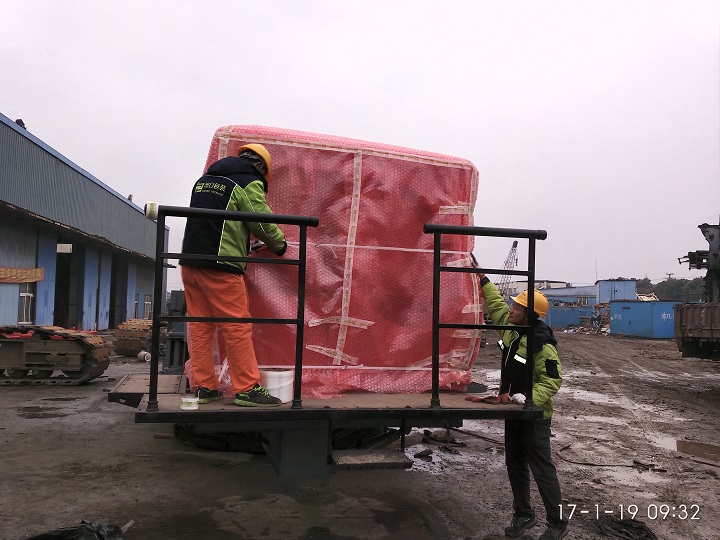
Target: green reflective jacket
column 547, row 371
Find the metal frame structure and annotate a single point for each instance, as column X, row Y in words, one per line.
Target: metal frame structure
column 298, row 437
column 437, row 231
column 160, row 256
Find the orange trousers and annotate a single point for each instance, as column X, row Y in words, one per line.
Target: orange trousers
column 213, row 293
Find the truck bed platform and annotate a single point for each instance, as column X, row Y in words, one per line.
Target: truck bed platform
column 298, row 441
column 415, row 409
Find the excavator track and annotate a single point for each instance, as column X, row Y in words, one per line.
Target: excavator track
column 33, row 355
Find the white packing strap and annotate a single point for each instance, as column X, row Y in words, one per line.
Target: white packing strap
column 349, row 258
column 378, row 248
column 350, row 321
column 466, row 333
column 447, row 358
column 336, row 355
column 473, row 308
column 222, row 146
column 459, row 208
column 465, row 262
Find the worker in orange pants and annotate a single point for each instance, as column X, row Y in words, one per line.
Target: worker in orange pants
column 216, row 288
column 209, row 293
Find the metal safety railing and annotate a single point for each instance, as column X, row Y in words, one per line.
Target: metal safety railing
column 161, row 256
column 437, row 231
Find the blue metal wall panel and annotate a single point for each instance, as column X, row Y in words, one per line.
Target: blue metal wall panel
column 145, row 280
column 9, row 298
column 45, row 294
column 131, row 290
column 103, row 322
column 17, row 250
column 90, row 288
column 17, row 244
column 664, row 319
column 653, row 320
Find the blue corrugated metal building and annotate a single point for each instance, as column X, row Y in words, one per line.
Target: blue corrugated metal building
column 568, row 304
column 73, row 252
column 616, row 289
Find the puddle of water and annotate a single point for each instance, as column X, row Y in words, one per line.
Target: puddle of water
column 42, row 415
column 40, row 412
column 633, row 476
column 698, row 449
column 663, row 441
column 693, row 448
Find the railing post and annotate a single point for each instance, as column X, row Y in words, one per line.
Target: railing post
column 435, row 399
column 160, row 255
column 530, row 364
column 158, row 301
column 438, row 230
column 297, row 389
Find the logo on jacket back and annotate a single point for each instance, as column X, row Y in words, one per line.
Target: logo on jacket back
column 210, row 187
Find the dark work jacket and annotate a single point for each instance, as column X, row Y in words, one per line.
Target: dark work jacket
column 547, row 371
column 231, row 183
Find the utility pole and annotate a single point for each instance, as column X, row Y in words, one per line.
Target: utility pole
column 669, row 275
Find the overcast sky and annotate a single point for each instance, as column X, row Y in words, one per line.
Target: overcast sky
column 597, row 121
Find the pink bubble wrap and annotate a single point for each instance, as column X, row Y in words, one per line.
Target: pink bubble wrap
column 368, row 308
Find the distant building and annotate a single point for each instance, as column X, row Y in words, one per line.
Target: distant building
column 73, row 252
column 516, row 287
column 572, row 305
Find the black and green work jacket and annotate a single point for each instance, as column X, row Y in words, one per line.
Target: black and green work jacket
column 547, row 371
column 231, row 183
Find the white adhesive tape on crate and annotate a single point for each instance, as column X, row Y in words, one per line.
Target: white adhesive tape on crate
column 151, row 210
column 189, row 403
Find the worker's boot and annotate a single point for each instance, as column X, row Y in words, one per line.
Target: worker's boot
column 520, row 524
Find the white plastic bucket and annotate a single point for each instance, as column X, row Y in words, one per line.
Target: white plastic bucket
column 278, row 382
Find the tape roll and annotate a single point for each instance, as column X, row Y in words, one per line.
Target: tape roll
column 151, row 210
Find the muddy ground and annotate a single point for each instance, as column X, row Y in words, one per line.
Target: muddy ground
column 630, row 421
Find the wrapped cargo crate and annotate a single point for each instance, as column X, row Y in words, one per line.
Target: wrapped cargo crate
column 368, row 312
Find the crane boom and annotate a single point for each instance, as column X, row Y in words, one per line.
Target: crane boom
column 503, row 284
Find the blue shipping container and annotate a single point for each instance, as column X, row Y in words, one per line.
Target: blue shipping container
column 654, row 320
column 560, row 316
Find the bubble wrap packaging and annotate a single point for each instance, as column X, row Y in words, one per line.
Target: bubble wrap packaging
column 368, row 305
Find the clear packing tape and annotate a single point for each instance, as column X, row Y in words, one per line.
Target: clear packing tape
column 368, row 307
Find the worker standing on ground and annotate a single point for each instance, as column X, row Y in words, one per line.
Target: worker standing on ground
column 527, row 442
column 217, row 288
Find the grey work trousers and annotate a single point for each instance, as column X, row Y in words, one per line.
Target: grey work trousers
column 527, row 448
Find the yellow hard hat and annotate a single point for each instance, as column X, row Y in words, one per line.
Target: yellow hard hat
column 541, row 302
column 261, row 151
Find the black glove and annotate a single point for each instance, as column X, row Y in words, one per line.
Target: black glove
column 282, row 250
